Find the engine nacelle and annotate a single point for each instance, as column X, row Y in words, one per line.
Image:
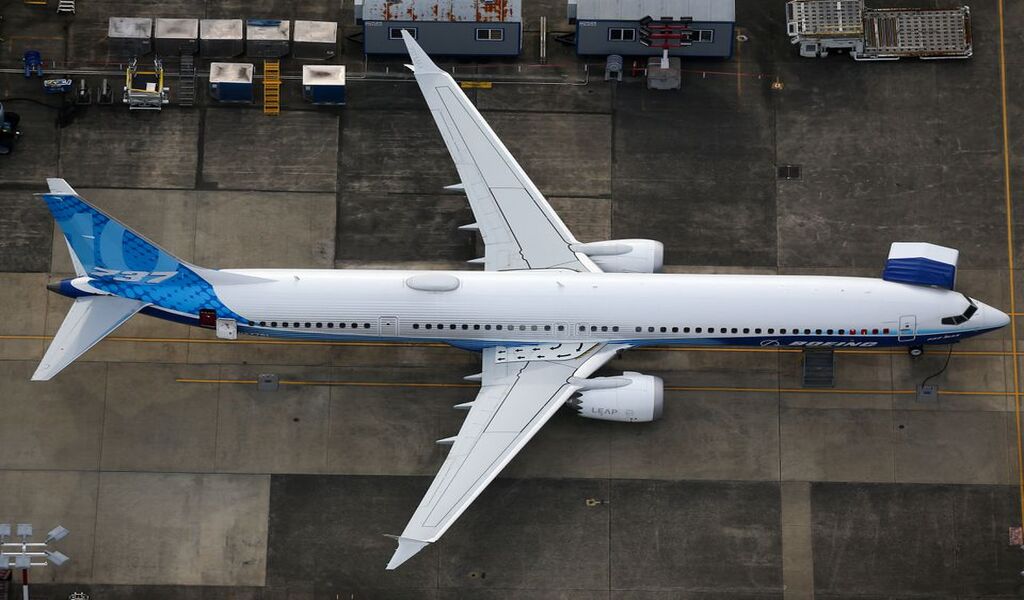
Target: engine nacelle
column 625, row 256
column 631, row 398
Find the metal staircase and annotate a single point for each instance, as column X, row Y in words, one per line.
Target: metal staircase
column 272, row 87
column 187, row 81
column 819, row 369
column 66, row 7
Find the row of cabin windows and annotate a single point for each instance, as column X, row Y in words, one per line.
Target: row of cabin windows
column 483, row 34
column 593, row 328
column 769, row 331
column 310, row 325
column 487, row 327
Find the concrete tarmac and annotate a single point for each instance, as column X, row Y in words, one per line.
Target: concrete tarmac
column 178, row 479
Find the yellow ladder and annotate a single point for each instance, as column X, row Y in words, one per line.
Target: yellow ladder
column 271, row 87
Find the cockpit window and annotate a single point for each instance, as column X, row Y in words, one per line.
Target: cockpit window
column 963, row 318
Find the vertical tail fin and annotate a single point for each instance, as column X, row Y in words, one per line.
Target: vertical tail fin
column 121, row 273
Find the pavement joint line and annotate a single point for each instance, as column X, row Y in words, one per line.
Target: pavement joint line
column 670, row 388
column 1008, row 195
column 443, row 345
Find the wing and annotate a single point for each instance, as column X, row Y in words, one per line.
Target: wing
column 519, row 228
column 518, row 395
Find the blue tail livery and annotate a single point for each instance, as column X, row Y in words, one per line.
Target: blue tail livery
column 119, row 273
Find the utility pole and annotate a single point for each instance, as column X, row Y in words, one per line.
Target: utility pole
column 25, row 554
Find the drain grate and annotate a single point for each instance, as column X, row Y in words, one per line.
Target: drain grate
column 789, row 171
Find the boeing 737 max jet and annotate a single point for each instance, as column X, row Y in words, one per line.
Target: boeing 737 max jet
column 546, row 312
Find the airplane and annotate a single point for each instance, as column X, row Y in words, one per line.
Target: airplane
column 545, row 314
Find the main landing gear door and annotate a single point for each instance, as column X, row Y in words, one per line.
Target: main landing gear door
column 908, row 328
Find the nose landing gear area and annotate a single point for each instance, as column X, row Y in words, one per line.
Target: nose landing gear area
column 915, row 351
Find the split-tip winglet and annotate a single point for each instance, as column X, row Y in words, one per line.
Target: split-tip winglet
column 421, row 62
column 407, row 548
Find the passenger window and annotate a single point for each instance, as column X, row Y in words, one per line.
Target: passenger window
column 273, row 323
column 783, row 331
column 604, row 328
column 746, row 330
column 464, row 326
column 284, row 323
column 686, row 330
column 734, row 330
column 886, row 330
column 615, row 328
column 330, row 325
column 429, row 326
column 698, row 330
column 675, row 330
column 771, row 330
column 758, row 330
column 663, row 329
column 650, row 330
column 828, row 331
column 561, row 327
column 639, row 329
column 817, row 332
column 341, row 325
column 263, row 323
column 874, row 332
column 498, row 327
column 319, row 325
column 415, row 325
column 487, row 327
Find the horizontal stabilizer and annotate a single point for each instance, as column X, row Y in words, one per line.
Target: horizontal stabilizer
column 407, row 548
column 921, row 264
column 90, row 319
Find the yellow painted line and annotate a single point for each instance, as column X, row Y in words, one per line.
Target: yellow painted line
column 476, row 85
column 670, row 388
column 1008, row 193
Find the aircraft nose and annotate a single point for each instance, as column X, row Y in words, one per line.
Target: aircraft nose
column 995, row 318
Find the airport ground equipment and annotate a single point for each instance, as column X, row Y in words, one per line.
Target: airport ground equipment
column 664, row 73
column 613, row 67
column 818, row 26
column 60, row 85
column 187, row 81
column 8, row 130
column 83, row 96
column 176, row 36
column 267, row 38
column 324, row 84
column 144, row 89
column 272, row 87
column 130, row 37
column 232, row 82
column 221, row 38
column 819, row 368
column 315, row 40
column 66, row 7
column 32, row 60
column 106, row 95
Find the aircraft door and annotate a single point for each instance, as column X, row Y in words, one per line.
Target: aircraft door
column 908, row 328
column 388, row 327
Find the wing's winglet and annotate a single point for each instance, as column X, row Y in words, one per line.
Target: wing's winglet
column 421, row 63
column 407, row 548
column 90, row 319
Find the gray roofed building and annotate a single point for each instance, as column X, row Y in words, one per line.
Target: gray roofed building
column 442, row 27
column 634, row 10
column 479, row 11
column 606, row 27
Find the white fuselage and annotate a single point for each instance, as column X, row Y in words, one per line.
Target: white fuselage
column 486, row 308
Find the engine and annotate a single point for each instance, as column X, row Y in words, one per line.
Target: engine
column 625, row 256
column 631, row 398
